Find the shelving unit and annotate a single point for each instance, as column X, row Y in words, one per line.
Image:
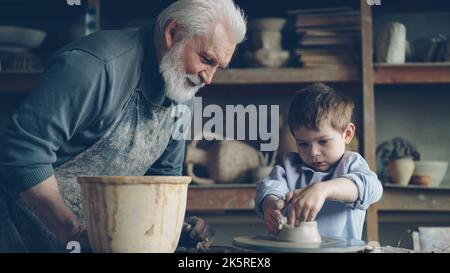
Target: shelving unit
column 410, row 199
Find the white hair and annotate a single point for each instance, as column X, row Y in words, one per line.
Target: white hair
column 197, row 17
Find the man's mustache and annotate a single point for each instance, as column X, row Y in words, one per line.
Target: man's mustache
column 195, row 80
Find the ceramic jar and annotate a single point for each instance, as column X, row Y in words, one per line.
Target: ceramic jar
column 134, row 213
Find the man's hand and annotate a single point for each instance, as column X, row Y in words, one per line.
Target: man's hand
column 81, row 236
column 306, row 203
column 196, row 233
column 273, row 217
column 46, row 202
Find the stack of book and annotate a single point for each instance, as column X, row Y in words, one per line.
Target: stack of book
column 327, row 36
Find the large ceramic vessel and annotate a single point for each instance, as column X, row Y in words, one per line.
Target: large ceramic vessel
column 134, row 214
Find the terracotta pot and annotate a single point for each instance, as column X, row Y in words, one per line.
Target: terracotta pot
column 134, row 214
column 420, row 180
column 227, row 161
column 401, row 170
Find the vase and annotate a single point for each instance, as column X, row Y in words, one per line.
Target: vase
column 401, row 170
column 227, row 161
column 134, row 213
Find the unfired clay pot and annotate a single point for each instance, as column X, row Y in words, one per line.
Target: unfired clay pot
column 227, row 161
column 134, row 213
column 304, row 233
column 401, row 170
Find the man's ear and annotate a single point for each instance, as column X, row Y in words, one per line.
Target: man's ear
column 349, row 133
column 169, row 34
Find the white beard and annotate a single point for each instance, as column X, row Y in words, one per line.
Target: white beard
column 172, row 70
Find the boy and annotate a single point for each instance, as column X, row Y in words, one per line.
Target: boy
column 322, row 182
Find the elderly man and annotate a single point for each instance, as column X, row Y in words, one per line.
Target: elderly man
column 103, row 107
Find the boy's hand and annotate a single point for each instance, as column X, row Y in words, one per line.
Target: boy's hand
column 306, row 203
column 273, row 217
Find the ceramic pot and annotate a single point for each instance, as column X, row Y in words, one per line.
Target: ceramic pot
column 401, row 170
column 266, row 43
column 260, row 173
column 391, row 44
column 304, row 233
column 227, row 161
column 134, row 214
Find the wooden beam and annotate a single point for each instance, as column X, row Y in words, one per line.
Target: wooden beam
column 412, row 73
column 368, row 109
column 287, row 75
column 368, row 98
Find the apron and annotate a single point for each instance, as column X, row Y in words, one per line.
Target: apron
column 130, row 146
column 136, row 140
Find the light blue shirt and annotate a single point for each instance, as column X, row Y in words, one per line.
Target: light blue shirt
column 340, row 219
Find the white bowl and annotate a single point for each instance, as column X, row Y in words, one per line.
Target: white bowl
column 20, row 38
column 434, row 169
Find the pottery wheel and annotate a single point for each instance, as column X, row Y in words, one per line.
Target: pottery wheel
column 270, row 244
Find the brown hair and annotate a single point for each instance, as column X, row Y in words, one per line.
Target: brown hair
column 317, row 104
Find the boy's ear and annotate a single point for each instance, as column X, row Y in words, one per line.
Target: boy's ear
column 169, row 34
column 349, row 132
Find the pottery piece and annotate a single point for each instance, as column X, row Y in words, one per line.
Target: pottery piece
column 260, row 173
column 227, row 161
column 266, row 58
column 401, row 170
column 134, row 213
column 287, row 141
column 436, row 170
column 304, row 233
column 391, row 44
column 20, row 39
column 267, row 24
column 420, row 180
column 266, row 40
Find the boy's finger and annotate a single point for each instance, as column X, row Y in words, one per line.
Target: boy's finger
column 298, row 217
column 291, row 218
column 305, row 215
column 278, row 204
column 288, row 197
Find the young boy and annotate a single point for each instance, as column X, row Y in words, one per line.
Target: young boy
column 322, row 182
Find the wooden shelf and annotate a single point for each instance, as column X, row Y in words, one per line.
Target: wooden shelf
column 412, row 73
column 288, row 75
column 18, row 81
column 221, row 197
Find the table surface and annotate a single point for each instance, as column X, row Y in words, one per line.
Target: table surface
column 229, row 249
